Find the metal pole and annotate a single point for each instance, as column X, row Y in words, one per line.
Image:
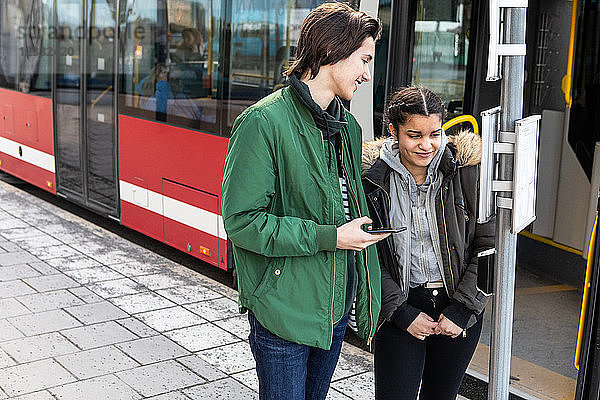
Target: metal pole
column 513, row 72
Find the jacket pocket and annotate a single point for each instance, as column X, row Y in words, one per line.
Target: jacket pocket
column 274, row 270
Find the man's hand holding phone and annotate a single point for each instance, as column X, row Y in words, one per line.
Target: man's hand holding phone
column 351, row 235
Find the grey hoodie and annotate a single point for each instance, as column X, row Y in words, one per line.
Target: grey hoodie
column 412, row 206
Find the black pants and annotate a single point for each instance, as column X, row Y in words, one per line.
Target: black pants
column 403, row 361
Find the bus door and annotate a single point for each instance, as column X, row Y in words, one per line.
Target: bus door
column 84, row 103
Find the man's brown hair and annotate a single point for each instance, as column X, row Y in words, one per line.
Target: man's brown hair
column 331, row 33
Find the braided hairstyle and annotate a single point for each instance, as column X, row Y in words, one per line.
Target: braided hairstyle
column 410, row 101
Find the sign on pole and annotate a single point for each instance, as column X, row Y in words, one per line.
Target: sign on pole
column 525, row 173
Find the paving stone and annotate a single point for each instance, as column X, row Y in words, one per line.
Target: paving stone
column 86, row 295
column 102, row 388
column 142, row 302
column 73, row 262
column 14, row 226
column 47, row 253
column 59, row 228
column 202, row 368
column 155, row 379
column 49, row 300
column 5, row 360
column 94, row 274
column 48, row 283
column 96, row 312
column 201, row 337
column 91, row 246
column 34, row 376
column 248, row 378
column 137, row 327
column 112, row 257
column 225, row 389
column 43, row 395
column 44, row 322
column 96, row 362
column 10, row 247
column 232, row 358
column 11, row 307
column 217, row 287
column 357, row 387
column 213, row 310
column 116, row 288
column 333, row 394
column 352, row 361
column 162, row 281
column 170, row 396
column 7, row 331
column 152, row 349
column 98, row 335
column 38, row 347
column 14, row 288
column 237, row 325
column 28, row 243
column 73, row 235
column 188, row 294
column 43, row 268
column 17, row 271
column 136, row 268
column 170, row 318
column 19, row 257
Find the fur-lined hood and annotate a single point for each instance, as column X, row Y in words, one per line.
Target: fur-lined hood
column 466, row 148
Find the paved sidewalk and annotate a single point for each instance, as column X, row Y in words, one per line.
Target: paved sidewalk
column 85, row 314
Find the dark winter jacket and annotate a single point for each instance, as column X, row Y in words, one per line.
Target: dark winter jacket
column 461, row 237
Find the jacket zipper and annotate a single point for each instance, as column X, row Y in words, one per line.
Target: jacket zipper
column 423, row 263
column 447, row 248
column 334, row 274
column 370, row 338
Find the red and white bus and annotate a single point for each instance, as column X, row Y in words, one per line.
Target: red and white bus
column 125, row 106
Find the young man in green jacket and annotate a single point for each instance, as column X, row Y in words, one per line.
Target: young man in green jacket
column 294, row 209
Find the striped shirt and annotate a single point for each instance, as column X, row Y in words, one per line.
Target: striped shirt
column 344, row 190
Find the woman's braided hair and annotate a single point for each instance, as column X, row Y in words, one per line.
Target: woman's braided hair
column 410, row 101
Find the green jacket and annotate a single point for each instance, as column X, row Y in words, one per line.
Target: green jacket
column 281, row 205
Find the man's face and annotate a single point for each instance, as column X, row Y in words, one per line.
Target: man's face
column 350, row 72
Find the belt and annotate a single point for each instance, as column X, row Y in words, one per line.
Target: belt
column 433, row 285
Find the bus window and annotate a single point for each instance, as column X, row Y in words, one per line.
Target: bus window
column 169, row 55
column 441, row 48
column 263, row 38
column 25, row 47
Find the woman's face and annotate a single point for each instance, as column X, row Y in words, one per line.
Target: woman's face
column 419, row 140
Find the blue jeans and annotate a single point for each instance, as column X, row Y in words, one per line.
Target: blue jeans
column 291, row 371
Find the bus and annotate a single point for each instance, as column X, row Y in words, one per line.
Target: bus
column 125, row 107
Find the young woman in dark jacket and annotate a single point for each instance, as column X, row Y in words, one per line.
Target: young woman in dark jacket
column 431, row 314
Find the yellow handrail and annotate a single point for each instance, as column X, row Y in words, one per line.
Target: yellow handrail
column 586, row 294
column 459, row 120
column 567, row 79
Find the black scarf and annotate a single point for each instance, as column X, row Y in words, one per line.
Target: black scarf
column 329, row 121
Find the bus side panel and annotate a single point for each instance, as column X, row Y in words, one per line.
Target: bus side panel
column 170, row 180
column 26, row 138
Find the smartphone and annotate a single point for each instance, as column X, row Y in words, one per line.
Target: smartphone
column 386, row 230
